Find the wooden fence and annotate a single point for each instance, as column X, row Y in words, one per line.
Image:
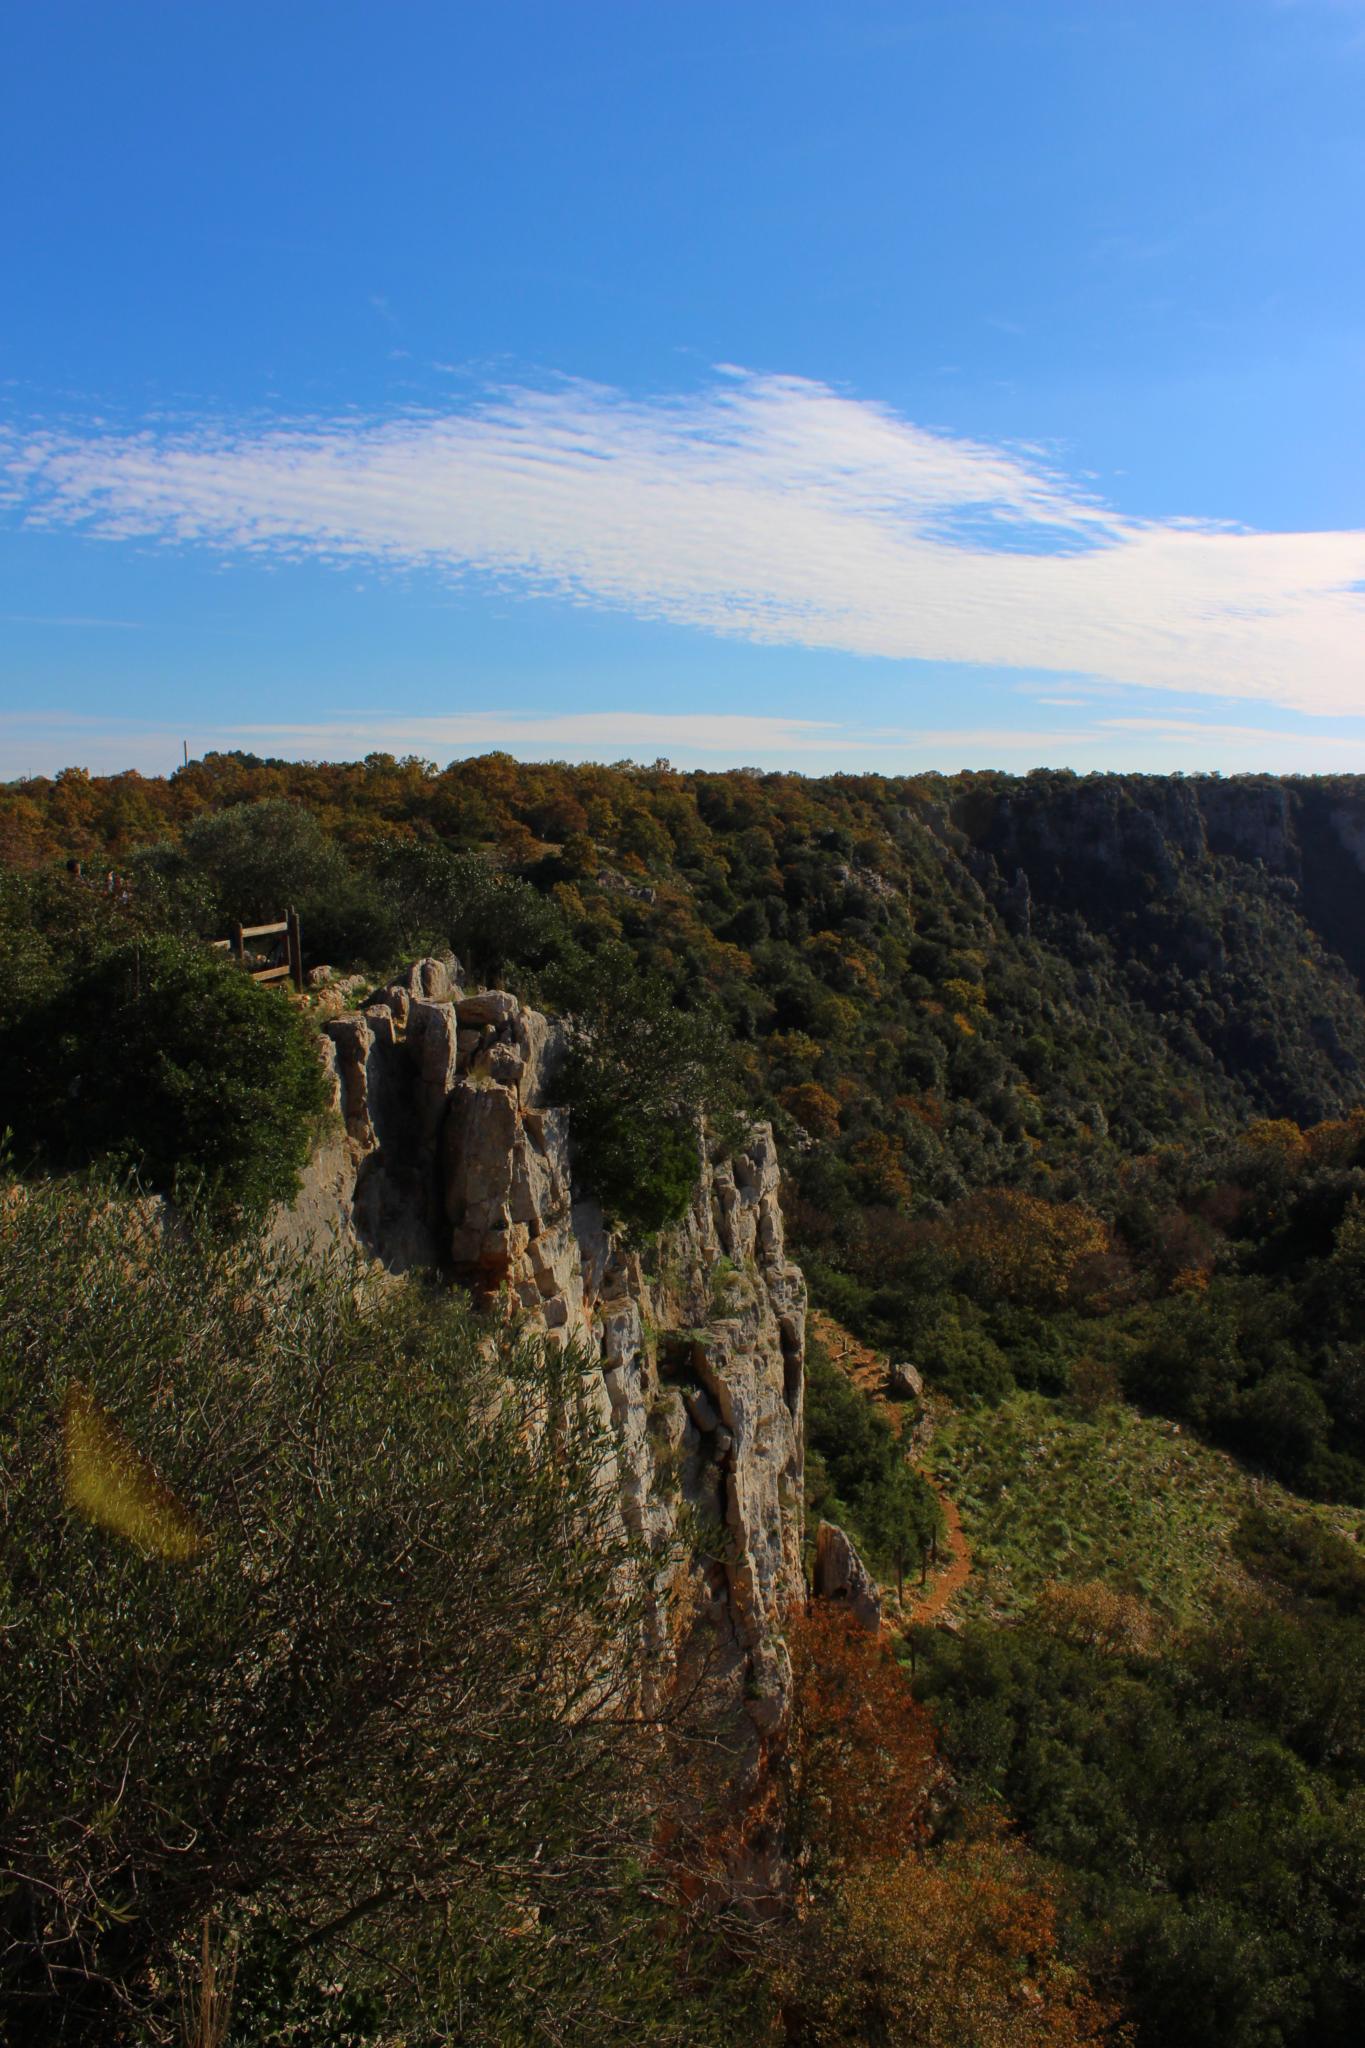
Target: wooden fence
column 287, row 928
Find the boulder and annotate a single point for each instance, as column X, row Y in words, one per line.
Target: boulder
column 503, row 1063
column 434, row 980
column 542, row 1046
column 491, row 1006
column 432, row 1045
column 841, row 1576
column 479, row 1140
column 395, row 998
column 904, row 1382
column 701, row 1408
column 354, row 1042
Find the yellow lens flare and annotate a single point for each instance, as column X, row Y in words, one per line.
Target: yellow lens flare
column 114, row 1486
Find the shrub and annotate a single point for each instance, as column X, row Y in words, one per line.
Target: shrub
column 53, row 924
column 861, row 1748
column 1205, row 1802
column 641, row 1075
column 857, row 1474
column 959, row 1356
column 354, row 1679
column 957, row 1946
column 261, row 856
column 1301, row 1559
column 256, row 860
column 165, row 1058
column 494, row 920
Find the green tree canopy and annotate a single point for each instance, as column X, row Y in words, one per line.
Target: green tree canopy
column 317, row 1616
column 165, row 1058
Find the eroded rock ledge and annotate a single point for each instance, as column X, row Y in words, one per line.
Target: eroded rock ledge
column 455, row 1154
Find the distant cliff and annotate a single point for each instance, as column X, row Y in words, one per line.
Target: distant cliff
column 1078, row 838
column 1230, row 912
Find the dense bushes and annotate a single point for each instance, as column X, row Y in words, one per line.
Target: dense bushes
column 154, row 1053
column 645, row 1073
column 981, row 1043
column 494, row 920
column 857, row 1475
column 1043, row 973
column 1207, row 1802
column 317, row 1619
column 1225, row 1291
column 1258, row 1346
column 647, row 1082
column 1040, row 976
column 904, row 1937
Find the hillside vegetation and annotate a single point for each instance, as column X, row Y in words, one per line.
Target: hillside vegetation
column 1069, row 1080
column 1053, row 1497
column 1037, row 1050
column 320, row 1642
column 1201, row 1789
column 1049, row 973
column 322, row 1647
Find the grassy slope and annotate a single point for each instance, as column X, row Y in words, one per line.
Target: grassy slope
column 1123, row 1498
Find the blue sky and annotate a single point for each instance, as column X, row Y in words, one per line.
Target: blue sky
column 817, row 386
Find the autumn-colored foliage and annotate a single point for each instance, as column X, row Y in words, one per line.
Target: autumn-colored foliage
column 1337, row 1141
column 1279, row 1136
column 952, row 1949
column 1096, row 1617
column 880, row 1173
column 813, row 1107
column 897, row 1939
column 1025, row 1248
column 862, row 1749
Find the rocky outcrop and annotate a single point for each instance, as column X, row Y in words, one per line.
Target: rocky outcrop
column 843, row 1578
column 450, row 1151
column 903, row 1382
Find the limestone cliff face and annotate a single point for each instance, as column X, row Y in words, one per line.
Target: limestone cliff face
column 455, row 1154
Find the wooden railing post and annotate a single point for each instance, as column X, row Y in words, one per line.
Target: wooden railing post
column 286, row 928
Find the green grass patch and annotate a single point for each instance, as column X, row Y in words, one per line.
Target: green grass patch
column 1123, row 1498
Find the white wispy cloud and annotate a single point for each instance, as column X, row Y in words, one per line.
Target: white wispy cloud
column 768, row 508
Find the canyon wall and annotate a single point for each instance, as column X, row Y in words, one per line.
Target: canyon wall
column 450, row 1152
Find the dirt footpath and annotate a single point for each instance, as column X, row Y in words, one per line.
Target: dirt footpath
column 951, row 1577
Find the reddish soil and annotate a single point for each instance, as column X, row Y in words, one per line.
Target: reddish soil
column 859, row 1363
column 951, row 1577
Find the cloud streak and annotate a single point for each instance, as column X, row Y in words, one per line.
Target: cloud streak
column 765, row 508
column 38, row 742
